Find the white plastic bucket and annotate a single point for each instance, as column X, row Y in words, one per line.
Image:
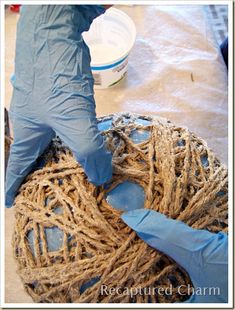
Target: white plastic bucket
column 110, row 39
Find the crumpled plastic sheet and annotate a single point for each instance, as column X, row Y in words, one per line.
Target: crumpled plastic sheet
column 175, row 71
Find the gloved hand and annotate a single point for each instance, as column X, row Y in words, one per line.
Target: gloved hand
column 53, row 93
column 202, row 254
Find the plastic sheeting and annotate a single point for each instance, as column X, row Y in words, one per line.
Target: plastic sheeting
column 175, row 71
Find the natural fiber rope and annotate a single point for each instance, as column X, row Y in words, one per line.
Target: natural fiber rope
column 97, row 243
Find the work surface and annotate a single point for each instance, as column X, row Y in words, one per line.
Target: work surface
column 175, row 71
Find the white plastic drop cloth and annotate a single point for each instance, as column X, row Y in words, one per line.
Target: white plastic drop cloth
column 175, row 71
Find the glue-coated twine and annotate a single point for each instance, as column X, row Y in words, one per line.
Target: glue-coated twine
column 181, row 177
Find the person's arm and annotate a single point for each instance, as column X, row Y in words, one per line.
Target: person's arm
column 66, row 106
column 202, row 254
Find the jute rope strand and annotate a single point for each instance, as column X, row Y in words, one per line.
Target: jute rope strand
column 181, row 178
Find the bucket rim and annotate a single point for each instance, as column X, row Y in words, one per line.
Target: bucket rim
column 126, row 53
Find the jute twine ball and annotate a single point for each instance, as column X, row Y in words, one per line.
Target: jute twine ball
column 181, row 178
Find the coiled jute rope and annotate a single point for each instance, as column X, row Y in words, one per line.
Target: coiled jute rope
column 181, row 178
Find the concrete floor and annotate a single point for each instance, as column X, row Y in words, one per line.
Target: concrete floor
column 173, row 44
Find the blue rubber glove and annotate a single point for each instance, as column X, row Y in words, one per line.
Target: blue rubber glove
column 202, row 254
column 53, row 92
